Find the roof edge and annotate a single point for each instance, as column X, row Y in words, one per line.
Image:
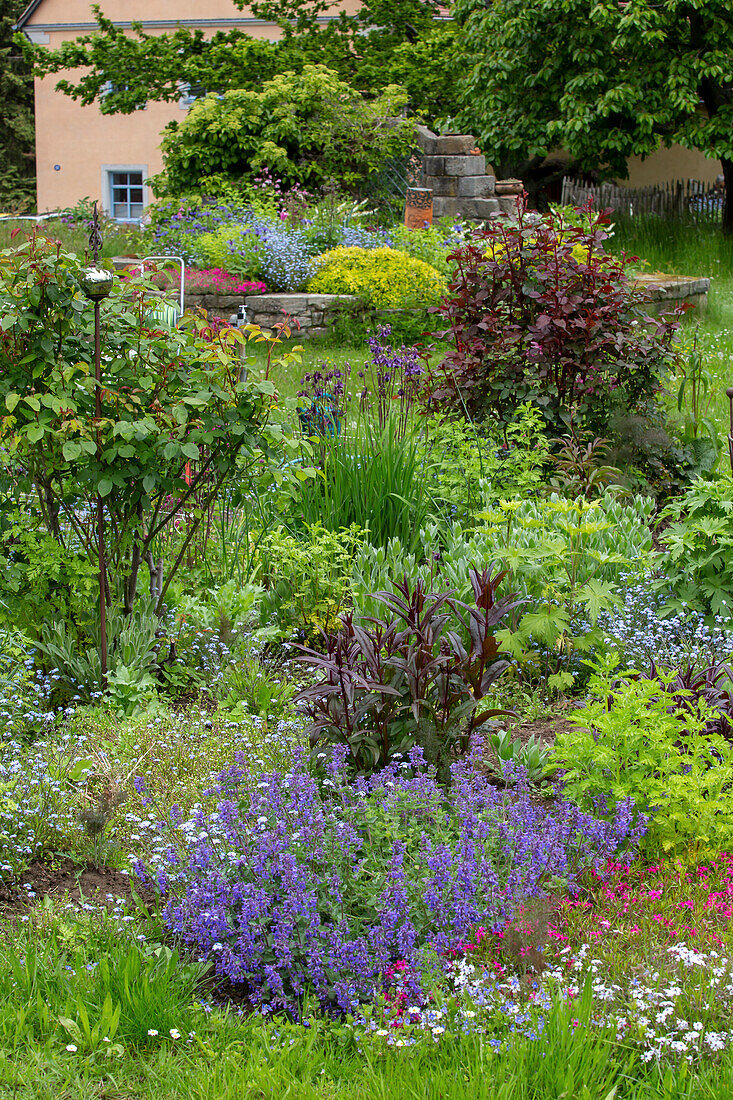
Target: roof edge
column 26, row 14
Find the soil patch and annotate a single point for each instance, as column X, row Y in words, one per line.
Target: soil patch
column 64, row 879
column 544, row 729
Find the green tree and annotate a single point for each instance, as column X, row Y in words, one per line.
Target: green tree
column 308, row 127
column 178, row 419
column 122, row 71
column 17, row 144
column 604, row 80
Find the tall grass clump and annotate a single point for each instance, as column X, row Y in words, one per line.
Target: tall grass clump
column 373, row 469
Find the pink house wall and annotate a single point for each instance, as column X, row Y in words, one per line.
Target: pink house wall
column 76, row 146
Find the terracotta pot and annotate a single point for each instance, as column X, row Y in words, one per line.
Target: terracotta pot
column 418, row 207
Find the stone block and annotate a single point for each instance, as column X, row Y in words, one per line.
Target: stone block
column 508, row 203
column 475, row 187
column 444, row 207
column 434, row 166
column 455, row 144
column 427, row 140
column 478, row 208
column 444, row 185
column 463, row 166
column 229, row 301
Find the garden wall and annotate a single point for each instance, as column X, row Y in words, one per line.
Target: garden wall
column 310, row 314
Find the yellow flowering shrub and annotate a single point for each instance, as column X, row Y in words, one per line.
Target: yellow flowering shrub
column 383, row 278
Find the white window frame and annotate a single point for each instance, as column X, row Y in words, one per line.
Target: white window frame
column 107, row 186
column 188, row 98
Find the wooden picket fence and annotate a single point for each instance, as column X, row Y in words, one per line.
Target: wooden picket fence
column 679, row 199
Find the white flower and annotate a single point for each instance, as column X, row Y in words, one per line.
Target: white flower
column 381, row 1033
column 71, row 1048
column 152, row 1032
column 174, row 1033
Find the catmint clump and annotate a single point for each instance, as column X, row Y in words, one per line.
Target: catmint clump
column 296, row 885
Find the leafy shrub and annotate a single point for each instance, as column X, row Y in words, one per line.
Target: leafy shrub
column 291, row 892
column 630, row 743
column 388, row 684
column 382, row 277
column 307, row 580
column 698, row 549
column 469, row 464
column 308, row 127
column 189, row 405
column 538, row 311
column 41, row 580
column 432, row 244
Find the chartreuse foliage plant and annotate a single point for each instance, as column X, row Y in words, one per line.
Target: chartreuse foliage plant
column 661, row 749
column 178, row 415
column 306, row 579
column 384, row 278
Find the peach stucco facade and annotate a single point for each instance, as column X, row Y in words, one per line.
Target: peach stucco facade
column 79, row 151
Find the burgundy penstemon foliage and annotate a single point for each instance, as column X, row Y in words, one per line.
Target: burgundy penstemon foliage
column 393, row 378
column 409, row 678
column 293, row 886
column 539, row 311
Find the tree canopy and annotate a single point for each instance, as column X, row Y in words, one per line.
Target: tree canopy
column 17, row 184
column 383, row 43
column 604, row 81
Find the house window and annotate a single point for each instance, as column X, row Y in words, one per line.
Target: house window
column 126, row 195
column 189, row 94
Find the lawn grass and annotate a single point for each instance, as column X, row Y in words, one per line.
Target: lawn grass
column 681, row 248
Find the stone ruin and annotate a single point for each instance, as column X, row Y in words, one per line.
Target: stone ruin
column 462, row 183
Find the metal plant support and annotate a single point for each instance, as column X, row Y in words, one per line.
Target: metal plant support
column 729, row 395
column 97, row 284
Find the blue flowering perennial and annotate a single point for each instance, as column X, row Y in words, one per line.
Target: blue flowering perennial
column 292, row 887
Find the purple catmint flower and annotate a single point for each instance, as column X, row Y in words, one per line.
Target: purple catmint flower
column 293, row 885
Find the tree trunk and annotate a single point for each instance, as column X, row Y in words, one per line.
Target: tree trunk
column 728, row 200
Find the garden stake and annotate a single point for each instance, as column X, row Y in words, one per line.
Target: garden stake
column 729, row 394
column 95, row 240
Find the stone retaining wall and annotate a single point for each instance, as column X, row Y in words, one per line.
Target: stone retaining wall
column 668, row 291
column 310, row 314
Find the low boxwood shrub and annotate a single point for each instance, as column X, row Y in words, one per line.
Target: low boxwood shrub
column 296, row 887
column 384, row 278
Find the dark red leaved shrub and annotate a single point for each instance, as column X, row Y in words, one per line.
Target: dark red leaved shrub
column 537, row 311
